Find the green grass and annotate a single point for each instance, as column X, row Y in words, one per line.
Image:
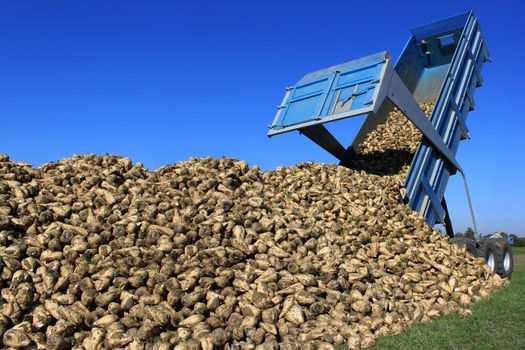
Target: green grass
column 497, row 322
column 518, row 250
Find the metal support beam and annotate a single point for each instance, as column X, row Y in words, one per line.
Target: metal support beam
column 470, row 207
column 403, row 99
column 320, row 135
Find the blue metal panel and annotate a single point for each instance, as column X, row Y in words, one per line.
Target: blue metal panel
column 428, row 176
column 354, row 89
column 305, row 101
column 339, row 89
column 440, row 27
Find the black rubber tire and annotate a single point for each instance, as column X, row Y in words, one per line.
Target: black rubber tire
column 488, row 249
column 504, row 251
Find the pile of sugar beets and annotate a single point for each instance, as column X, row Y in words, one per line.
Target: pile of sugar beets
column 97, row 253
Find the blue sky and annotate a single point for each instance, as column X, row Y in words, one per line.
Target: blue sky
column 160, row 81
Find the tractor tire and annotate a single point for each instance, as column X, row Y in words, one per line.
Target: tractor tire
column 504, row 260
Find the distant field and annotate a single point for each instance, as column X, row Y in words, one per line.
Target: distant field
column 498, row 322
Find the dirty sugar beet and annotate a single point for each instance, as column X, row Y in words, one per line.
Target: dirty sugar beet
column 210, row 253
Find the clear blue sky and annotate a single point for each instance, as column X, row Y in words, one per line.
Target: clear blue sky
column 160, row 81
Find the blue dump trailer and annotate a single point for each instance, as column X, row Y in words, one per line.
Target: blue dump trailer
column 440, row 65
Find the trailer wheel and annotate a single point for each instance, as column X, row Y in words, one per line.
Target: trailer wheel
column 490, row 257
column 504, row 260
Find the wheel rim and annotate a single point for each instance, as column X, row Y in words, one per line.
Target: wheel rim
column 506, row 261
column 491, row 261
